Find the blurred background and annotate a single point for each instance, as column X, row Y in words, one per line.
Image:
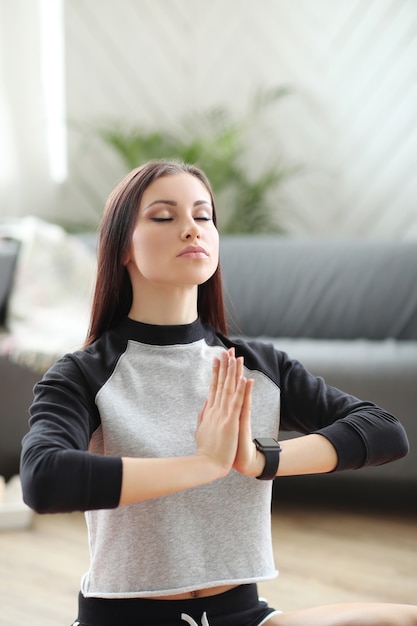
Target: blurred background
column 313, row 102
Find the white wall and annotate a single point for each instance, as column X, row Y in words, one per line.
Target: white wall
column 351, row 120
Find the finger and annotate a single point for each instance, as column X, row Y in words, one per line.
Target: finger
column 231, row 353
column 211, row 397
column 222, row 377
column 239, row 368
column 225, row 394
column 238, row 398
column 245, row 414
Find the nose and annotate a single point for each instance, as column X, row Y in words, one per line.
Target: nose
column 190, row 230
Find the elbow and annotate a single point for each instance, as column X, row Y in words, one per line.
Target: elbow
column 41, row 488
column 63, row 481
column 403, row 445
column 36, row 500
column 396, row 445
column 37, row 491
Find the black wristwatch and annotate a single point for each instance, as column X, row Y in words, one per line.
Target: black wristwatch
column 271, row 451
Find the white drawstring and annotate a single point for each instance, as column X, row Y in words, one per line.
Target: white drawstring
column 189, row 620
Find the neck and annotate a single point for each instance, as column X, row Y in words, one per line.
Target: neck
column 169, row 307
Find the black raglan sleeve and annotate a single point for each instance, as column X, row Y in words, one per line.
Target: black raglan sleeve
column 57, row 471
column 362, row 433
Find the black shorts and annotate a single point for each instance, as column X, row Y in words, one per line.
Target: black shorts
column 240, row 606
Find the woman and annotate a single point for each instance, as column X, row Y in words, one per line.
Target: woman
column 150, row 428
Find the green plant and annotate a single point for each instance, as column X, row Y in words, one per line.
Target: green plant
column 216, row 142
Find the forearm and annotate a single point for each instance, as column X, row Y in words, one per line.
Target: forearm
column 144, row 479
column 309, row 454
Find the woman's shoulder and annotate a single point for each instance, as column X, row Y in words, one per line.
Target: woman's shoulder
column 91, row 364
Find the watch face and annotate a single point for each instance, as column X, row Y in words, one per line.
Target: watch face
column 267, row 442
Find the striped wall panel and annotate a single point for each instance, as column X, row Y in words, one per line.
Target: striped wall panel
column 351, row 120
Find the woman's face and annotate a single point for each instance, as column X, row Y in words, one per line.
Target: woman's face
column 175, row 241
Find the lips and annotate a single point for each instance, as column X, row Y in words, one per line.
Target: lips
column 194, row 252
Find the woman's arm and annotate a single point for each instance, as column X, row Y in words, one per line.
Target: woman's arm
column 340, row 431
column 310, row 454
column 59, row 474
column 216, row 438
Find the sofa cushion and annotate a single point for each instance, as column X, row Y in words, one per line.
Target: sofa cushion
column 323, row 289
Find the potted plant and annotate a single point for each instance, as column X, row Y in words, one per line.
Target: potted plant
column 216, row 142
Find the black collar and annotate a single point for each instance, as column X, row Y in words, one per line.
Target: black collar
column 161, row 335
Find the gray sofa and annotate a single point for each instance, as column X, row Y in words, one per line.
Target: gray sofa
column 346, row 309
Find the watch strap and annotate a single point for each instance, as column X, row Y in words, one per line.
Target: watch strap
column 271, row 453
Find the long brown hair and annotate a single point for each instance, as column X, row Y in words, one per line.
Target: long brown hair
column 113, row 291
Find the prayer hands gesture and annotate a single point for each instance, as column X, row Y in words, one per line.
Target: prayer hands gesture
column 223, row 431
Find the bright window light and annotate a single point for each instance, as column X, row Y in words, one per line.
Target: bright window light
column 53, row 83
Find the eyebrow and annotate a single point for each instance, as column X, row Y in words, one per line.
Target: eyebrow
column 174, row 203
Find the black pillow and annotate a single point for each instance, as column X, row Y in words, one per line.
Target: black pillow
column 9, row 249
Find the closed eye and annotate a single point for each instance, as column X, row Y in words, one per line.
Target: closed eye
column 161, row 219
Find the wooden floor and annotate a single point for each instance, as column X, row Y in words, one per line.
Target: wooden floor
column 324, row 554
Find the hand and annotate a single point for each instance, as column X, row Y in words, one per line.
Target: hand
column 248, row 460
column 217, row 432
